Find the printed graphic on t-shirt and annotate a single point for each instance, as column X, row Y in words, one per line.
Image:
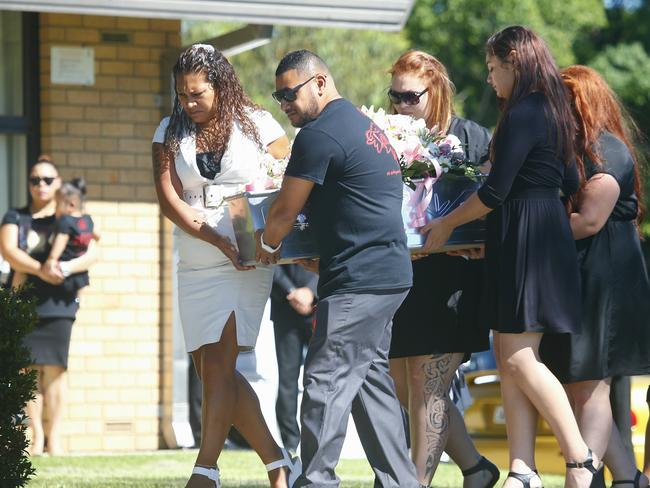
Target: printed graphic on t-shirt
column 36, row 242
column 81, row 241
column 375, row 137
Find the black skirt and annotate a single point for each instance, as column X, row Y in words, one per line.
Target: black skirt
column 49, row 342
column 440, row 313
column 532, row 281
column 615, row 337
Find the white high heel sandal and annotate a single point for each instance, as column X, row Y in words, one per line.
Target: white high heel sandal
column 294, row 466
column 212, row 473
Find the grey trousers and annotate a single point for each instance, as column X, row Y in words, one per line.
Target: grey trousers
column 346, row 370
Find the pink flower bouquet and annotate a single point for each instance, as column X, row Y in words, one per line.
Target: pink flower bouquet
column 436, row 173
column 422, row 153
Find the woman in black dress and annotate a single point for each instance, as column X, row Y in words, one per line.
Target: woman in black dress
column 605, row 222
column 532, row 280
column 437, row 325
column 25, row 235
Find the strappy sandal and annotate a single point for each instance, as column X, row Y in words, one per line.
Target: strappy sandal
column 588, row 464
column 484, row 465
column 212, row 473
column 634, row 482
column 599, row 478
column 525, row 478
column 293, row 465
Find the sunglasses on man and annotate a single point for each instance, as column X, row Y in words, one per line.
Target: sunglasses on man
column 289, row 94
column 408, row 97
column 36, row 180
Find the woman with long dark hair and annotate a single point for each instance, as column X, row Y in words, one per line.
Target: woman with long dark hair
column 436, row 327
column 532, row 281
column 605, row 218
column 209, row 149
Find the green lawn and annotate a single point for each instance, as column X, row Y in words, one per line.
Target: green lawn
column 171, row 469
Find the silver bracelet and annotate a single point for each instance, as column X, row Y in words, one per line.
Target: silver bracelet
column 268, row 248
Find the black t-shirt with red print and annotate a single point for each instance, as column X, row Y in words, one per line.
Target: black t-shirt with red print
column 80, row 232
column 355, row 206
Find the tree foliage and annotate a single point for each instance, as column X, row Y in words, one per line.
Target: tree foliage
column 455, row 31
column 613, row 37
column 358, row 59
column 17, row 317
column 626, row 67
column 627, row 22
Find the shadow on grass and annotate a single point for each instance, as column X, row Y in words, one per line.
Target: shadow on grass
column 171, row 468
column 136, row 483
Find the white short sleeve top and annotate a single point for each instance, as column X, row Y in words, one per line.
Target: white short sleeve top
column 240, row 161
column 240, row 165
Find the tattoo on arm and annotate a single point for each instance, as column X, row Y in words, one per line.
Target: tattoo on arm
column 160, row 160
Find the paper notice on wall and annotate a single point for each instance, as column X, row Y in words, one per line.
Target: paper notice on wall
column 72, row 65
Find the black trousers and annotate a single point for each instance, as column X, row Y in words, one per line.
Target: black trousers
column 291, row 338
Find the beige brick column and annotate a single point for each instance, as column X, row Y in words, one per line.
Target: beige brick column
column 120, row 363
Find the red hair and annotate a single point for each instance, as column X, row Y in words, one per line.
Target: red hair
column 598, row 109
column 440, row 105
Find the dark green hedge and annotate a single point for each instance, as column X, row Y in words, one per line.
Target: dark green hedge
column 17, row 318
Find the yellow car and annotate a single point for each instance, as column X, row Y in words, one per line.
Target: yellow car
column 486, row 422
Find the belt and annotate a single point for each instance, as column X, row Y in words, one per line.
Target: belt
column 210, row 195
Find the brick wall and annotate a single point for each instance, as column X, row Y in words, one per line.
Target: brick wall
column 119, row 372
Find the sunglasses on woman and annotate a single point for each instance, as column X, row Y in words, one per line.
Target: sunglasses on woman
column 289, row 94
column 36, row 180
column 408, row 97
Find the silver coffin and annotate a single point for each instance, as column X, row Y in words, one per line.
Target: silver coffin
column 448, row 193
column 248, row 212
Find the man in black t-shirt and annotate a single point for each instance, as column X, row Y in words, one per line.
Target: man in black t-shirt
column 344, row 165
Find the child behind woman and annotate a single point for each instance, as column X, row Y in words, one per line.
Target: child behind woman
column 74, row 231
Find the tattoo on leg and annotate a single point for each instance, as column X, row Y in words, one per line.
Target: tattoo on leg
column 438, row 374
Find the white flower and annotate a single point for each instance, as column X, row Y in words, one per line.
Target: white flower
column 271, row 170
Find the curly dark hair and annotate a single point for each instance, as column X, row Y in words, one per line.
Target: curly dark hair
column 232, row 102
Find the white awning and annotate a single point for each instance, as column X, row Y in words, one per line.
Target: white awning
column 362, row 14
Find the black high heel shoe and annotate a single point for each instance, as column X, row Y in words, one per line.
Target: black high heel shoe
column 588, row 464
column 599, row 478
column 634, row 482
column 484, row 465
column 525, row 479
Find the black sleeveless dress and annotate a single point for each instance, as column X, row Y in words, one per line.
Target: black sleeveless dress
column 615, row 338
column 440, row 313
column 532, row 280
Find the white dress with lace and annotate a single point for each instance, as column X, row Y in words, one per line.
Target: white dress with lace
column 209, row 286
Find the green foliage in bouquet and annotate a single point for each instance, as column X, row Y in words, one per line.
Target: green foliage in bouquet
column 17, row 318
column 449, row 156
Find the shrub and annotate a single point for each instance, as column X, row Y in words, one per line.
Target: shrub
column 17, row 385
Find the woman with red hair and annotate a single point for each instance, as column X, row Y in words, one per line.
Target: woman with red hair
column 605, row 219
column 436, row 328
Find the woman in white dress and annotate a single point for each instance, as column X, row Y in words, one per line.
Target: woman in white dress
column 206, row 150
